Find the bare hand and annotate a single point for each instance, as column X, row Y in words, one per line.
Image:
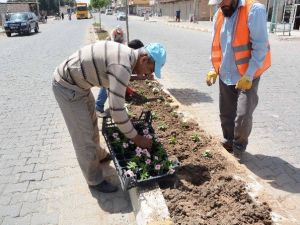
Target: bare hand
column 142, row 142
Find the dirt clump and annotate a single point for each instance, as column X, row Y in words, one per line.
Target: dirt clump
column 203, row 190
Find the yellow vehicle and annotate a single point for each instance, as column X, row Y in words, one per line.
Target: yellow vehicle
column 82, row 11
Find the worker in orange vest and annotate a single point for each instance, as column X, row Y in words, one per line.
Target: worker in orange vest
column 240, row 54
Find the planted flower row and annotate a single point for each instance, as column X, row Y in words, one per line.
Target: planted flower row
column 138, row 162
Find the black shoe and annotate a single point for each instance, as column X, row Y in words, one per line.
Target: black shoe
column 238, row 150
column 104, row 187
column 227, row 145
column 107, row 158
column 237, row 153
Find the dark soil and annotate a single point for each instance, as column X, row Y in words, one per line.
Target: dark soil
column 203, row 190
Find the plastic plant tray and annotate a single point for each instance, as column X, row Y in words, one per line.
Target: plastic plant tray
column 121, row 159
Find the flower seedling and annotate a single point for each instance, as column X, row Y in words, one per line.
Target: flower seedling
column 169, row 100
column 141, row 163
column 174, row 114
column 207, row 154
column 172, row 140
column 144, row 175
column 154, row 116
column 195, row 137
column 185, row 125
column 132, row 166
column 155, row 90
column 162, row 127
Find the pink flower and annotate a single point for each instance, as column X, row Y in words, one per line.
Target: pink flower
column 138, row 150
column 148, row 161
column 138, row 154
column 125, row 145
column 115, row 135
column 148, row 136
column 157, row 140
column 145, row 151
column 131, row 142
column 129, row 173
column 157, row 166
column 146, row 131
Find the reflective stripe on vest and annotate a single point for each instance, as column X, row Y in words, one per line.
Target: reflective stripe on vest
column 241, row 44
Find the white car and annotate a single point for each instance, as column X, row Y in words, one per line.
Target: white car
column 121, row 16
column 108, row 12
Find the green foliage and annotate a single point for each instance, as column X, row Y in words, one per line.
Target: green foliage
column 132, row 165
column 154, row 116
column 185, row 125
column 172, row 140
column 144, row 175
column 207, row 154
column 162, row 126
column 195, row 137
column 98, row 4
column 174, row 114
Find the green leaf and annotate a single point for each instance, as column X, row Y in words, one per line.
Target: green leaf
column 207, row 154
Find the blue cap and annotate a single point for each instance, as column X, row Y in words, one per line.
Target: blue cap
column 158, row 54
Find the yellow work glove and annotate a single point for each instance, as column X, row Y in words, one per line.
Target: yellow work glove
column 245, row 83
column 211, row 77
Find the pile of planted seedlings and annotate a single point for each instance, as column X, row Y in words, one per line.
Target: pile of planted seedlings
column 203, row 190
column 134, row 164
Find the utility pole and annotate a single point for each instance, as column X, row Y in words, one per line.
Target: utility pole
column 58, row 7
column 127, row 28
column 194, row 13
column 274, row 16
column 37, row 8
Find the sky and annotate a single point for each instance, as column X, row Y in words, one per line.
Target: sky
column 87, row 1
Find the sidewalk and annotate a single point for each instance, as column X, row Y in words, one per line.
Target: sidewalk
column 206, row 26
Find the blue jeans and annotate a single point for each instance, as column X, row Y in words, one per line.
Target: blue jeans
column 101, row 99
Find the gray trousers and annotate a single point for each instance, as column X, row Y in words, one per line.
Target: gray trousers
column 236, row 109
column 78, row 109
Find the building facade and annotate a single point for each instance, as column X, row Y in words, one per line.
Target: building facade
column 10, row 7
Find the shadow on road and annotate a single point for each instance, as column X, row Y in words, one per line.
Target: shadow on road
column 118, row 202
column 187, row 96
column 277, row 172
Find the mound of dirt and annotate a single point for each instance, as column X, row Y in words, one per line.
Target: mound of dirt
column 203, row 191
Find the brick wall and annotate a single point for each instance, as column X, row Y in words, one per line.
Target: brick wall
column 3, row 10
column 19, row 7
column 13, row 7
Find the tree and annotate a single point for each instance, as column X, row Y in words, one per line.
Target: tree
column 98, row 4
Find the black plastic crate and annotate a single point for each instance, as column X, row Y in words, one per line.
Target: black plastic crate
column 121, row 158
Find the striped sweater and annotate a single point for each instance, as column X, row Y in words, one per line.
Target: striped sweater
column 103, row 64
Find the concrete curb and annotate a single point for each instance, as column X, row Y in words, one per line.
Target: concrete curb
column 149, row 206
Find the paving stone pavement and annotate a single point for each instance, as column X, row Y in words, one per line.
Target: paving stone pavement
column 40, row 180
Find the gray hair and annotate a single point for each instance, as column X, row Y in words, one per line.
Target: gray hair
column 143, row 51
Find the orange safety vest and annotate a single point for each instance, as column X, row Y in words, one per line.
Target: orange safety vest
column 241, row 43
